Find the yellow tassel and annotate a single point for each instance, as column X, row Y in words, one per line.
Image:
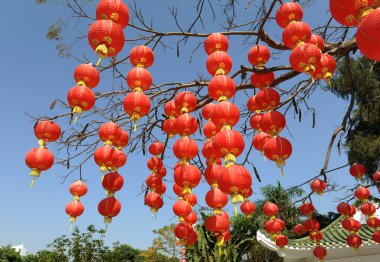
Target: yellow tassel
column 42, row 143
column 32, row 182
column 235, row 210
column 186, row 190
column 75, row 119
column 99, row 60
column 282, row 171
column 72, row 219
column 312, row 80
column 71, row 226
column 103, row 169
column 102, row 51
column 76, row 197
column 135, row 127
column 81, row 83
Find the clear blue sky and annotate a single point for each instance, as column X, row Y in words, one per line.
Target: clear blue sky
column 32, row 76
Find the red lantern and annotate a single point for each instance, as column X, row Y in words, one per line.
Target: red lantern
column 86, row 75
column 210, row 129
column 307, row 209
column 316, row 236
column 185, row 102
column 278, row 149
column 252, row 104
column 318, row 186
column 267, row 99
column 258, row 55
column 39, row 159
column 226, row 114
column 354, row 241
column 122, row 141
column 181, row 208
column 325, row 68
column 139, row 79
column 156, row 148
column 106, row 157
column 109, row 208
column 318, row 41
column 161, row 189
column 312, row 224
column 259, row 141
column 153, row 182
column 80, row 99
column 217, row 161
column 183, row 231
column 273, row 226
column 169, row 127
column 368, row 209
column 154, row 201
column 246, row 194
column 74, row 209
column 350, row 13
column 300, row 229
column 106, row 38
column 216, row 199
column 221, row 88
column 273, row 122
column 186, row 125
column 136, row 105
column 191, row 198
column 216, row 42
column 281, row 241
column 229, row 144
column 248, row 208
column 219, row 63
column 304, row 58
column 320, row 252
column 155, row 164
column 376, row 237
column 47, row 131
column 112, row 182
column 255, row 121
column 121, row 160
column 141, row 56
column 362, row 193
column 211, row 174
column 357, row 171
column 109, row 133
column 78, row 189
column 187, row 176
column 217, row 224
column 296, row 34
column 170, row 109
column 208, row 151
column 207, row 111
column 191, row 218
column 373, row 222
column 343, row 208
column 234, row 180
column 185, row 149
column 270, row 209
column 351, row 224
column 178, row 190
column 288, row 13
column 114, row 10
column 262, row 80
column 376, row 177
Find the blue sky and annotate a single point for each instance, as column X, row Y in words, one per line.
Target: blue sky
column 32, row 76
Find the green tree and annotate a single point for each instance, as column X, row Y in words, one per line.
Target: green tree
column 166, row 242
column 125, row 253
column 8, row 253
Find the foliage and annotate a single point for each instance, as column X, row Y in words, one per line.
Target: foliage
column 166, row 242
column 7, row 253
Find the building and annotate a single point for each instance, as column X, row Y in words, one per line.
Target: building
column 22, row 249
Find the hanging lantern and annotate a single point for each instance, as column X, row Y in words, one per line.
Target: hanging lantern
column 105, row 157
column 304, row 58
column 259, row 141
column 376, row 177
column 210, row 130
column 373, row 222
column 216, row 199
column 187, row 176
column 221, row 88
column 325, row 68
column 278, row 149
column 320, row 252
column 191, row 218
column 153, row 182
column 122, row 141
column 191, row 198
column 267, row 99
column 362, row 193
column 316, row 236
column 106, row 38
column 296, row 34
column 318, row 41
column 255, row 121
column 141, row 56
column 136, row 105
column 258, row 55
column 186, row 125
column 178, row 190
column 169, row 127
column 219, row 63
column 288, row 13
column 139, row 79
column 114, row 10
column 343, row 208
column 307, row 209
column 354, row 241
column 183, row 232
column 376, row 237
column 208, row 151
column 211, row 174
column 351, row 225
column 273, row 122
column 185, row 149
column 80, row 99
column 368, row 209
column 270, row 209
column 217, row 224
column 226, row 115
column 281, row 241
column 318, row 186
column 170, row 109
column 274, row 226
column 155, row 164
column 248, row 208
column 109, row 132
column 156, row 148
column 121, row 160
column 357, row 171
column 216, row 42
column 300, row 229
column 86, row 75
column 161, row 189
column 74, row 209
column 47, row 131
column 207, row 111
column 185, row 102
column 181, row 208
column 262, row 80
column 38, row 159
column 112, row 182
column 154, row 201
column 252, row 105
column 312, row 224
column 350, row 13
column 109, row 208
column 229, row 144
column 78, row 189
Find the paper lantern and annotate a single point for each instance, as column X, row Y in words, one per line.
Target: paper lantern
column 216, row 42
column 258, row 55
column 47, row 131
column 109, row 208
column 221, row 88
column 86, row 75
column 141, row 56
column 219, row 63
column 114, row 10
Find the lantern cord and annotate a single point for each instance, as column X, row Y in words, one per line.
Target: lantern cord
column 100, row 60
column 135, row 128
column 282, row 171
column 312, row 80
column 32, row 182
column 71, row 226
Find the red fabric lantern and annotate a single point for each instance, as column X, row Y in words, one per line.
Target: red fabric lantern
column 211, row 174
column 300, row 229
column 185, row 102
column 357, row 170
column 170, row 109
column 187, row 176
column 288, row 13
column 229, row 144
column 78, row 189
column 221, row 88
column 207, row 111
column 154, row 201
column 216, row 199
column 354, row 241
column 373, row 222
column 320, row 252
column 109, row 133
column 368, row 209
column 351, row 224
column 270, row 209
column 161, row 189
column 252, row 104
column 262, row 80
column 156, row 148
column 112, row 182
column 183, row 231
column 122, row 141
column 208, row 151
column 350, row 12
column 219, row 63
column 139, row 79
column 307, row 209
column 267, row 99
column 74, row 209
column 376, row 177
column 210, row 129
column 105, row 157
column 153, row 182
column 258, row 55
column 273, row 122
column 343, row 208
column 80, row 99
column 185, row 149
column 181, row 208
column 186, row 125
column 316, row 236
column 259, row 141
column 312, row 224
column 255, row 121
column 191, row 198
column 121, row 159
column 39, row 159
column 114, row 10
column 278, row 149
column 248, row 208
column 169, row 127
column 296, row 34
column 325, row 68
column 178, row 190
column 106, row 38
column 141, row 56
column 216, row 42
column 362, row 193
column 226, row 114
column 304, row 58
column 109, row 208
column 318, row 41
column 47, row 131
column 217, row 224
column 191, row 218
column 376, row 237
column 155, row 164
column 273, row 226
column 281, row 241
column 318, row 186
column 86, row 75
column 246, row 194
column 136, row 105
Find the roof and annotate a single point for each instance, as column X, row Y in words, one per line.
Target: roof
column 22, row 249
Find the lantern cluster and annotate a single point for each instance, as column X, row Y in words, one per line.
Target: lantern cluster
column 154, row 181
column 136, row 103
column 169, row 125
column 40, row 158
column 365, row 16
column 274, row 225
column 265, row 120
column 110, row 157
column 75, row 208
column 306, row 55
